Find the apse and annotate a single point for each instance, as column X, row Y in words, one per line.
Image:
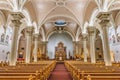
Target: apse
column 53, row 41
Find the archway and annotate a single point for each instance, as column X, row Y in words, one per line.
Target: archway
column 53, row 41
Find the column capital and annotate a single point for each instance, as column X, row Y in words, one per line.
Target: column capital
column 104, row 18
column 75, row 42
column 16, row 23
column 44, row 42
column 91, row 30
column 17, row 15
column 36, row 35
column 103, row 15
column 104, row 23
column 29, row 30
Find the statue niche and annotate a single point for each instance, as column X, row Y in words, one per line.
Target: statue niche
column 60, row 52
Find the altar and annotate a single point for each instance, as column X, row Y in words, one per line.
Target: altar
column 60, row 52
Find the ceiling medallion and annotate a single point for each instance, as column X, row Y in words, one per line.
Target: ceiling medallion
column 60, row 3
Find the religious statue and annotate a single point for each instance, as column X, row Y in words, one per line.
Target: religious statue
column 2, row 37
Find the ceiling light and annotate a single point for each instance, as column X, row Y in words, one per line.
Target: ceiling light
column 60, row 23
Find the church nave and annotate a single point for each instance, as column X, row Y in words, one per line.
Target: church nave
column 59, row 39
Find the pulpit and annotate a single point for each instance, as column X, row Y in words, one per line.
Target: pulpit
column 60, row 52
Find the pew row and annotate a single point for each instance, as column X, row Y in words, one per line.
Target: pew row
column 88, row 71
column 32, row 71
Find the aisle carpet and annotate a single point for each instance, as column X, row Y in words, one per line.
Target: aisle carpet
column 60, row 73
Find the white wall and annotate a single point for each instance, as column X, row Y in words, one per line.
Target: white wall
column 114, row 43
column 55, row 39
column 5, row 46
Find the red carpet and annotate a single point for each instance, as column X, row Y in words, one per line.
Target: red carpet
column 60, row 73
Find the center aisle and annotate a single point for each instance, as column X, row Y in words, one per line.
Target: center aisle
column 60, row 73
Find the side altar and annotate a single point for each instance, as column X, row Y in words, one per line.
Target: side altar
column 60, row 52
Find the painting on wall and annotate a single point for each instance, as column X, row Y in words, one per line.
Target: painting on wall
column 2, row 37
column 118, row 37
column 7, row 39
column 113, row 38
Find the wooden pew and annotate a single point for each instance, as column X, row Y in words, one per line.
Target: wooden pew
column 32, row 71
column 99, row 77
column 87, row 71
column 18, row 77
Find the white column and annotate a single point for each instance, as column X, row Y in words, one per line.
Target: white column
column 104, row 20
column 44, row 43
column 91, row 31
column 16, row 21
column 29, row 31
column 77, row 47
column 74, row 45
column 84, row 36
column 36, row 47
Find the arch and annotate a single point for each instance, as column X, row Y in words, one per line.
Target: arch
column 19, row 37
column 114, row 2
column 43, row 34
column 117, row 18
column 23, row 26
column 6, row 3
column 93, row 16
column 35, row 27
column 52, row 10
column 109, row 5
column 61, row 16
column 50, row 34
column 26, row 13
column 74, row 15
column 2, row 18
column 18, row 48
column 66, row 16
column 46, row 16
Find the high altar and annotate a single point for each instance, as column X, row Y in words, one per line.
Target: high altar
column 60, row 52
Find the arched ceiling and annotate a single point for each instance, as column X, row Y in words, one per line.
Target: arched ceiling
column 75, row 12
column 72, row 8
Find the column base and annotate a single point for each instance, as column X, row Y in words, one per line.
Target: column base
column 93, row 61
column 85, row 60
column 12, row 64
column 27, row 61
column 35, row 57
column 108, row 64
column 35, row 60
